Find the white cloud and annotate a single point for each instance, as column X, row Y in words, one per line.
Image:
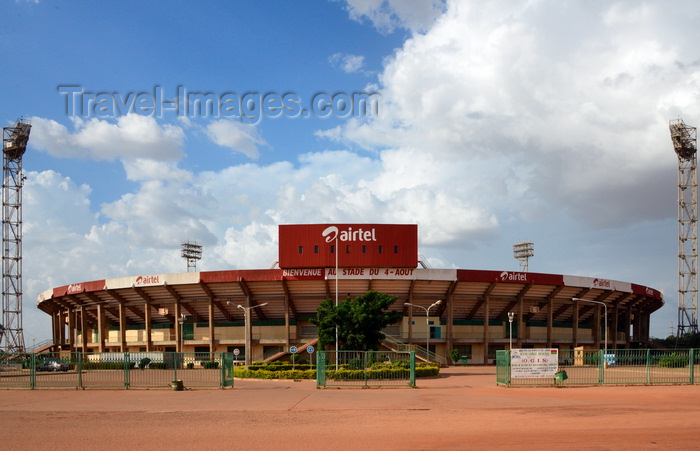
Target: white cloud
column 132, row 136
column 387, row 15
column 240, row 137
column 347, row 63
column 579, row 95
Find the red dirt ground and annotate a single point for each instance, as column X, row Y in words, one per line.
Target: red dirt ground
column 462, row 409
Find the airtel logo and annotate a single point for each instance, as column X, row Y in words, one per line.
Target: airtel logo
column 601, row 283
column 75, row 288
column 513, row 276
column 332, row 233
column 142, row 280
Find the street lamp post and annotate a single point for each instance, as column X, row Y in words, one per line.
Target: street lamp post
column 181, row 320
column 181, row 344
column 427, row 324
column 246, row 323
column 605, row 330
column 510, row 335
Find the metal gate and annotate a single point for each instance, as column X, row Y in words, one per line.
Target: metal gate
column 366, row 368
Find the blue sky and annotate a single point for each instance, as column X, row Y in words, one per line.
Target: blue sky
column 499, row 122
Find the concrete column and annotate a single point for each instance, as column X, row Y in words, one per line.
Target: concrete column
column 212, row 342
column 616, row 315
column 83, row 330
column 178, row 327
column 149, row 329
column 101, row 328
column 575, row 325
column 596, row 326
column 628, row 327
column 55, row 323
column 61, row 327
column 287, row 325
column 122, row 328
column 410, row 321
column 71, row 329
column 521, row 323
column 550, row 322
column 486, row 328
column 450, row 323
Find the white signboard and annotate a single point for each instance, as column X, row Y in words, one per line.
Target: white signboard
column 534, row 363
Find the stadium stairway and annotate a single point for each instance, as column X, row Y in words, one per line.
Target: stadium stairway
column 422, row 354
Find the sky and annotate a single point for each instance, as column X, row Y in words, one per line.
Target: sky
column 485, row 123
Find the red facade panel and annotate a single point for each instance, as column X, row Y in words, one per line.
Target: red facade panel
column 74, row 288
column 359, row 245
column 249, row 275
column 646, row 291
column 476, row 275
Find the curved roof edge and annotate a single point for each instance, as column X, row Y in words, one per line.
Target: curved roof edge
column 252, row 275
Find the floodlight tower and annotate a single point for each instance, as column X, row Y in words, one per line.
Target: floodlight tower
column 522, row 252
column 14, row 144
column 191, row 252
column 684, row 140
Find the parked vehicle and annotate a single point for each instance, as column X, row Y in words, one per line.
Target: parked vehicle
column 53, row 365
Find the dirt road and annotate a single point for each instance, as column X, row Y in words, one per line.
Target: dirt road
column 462, row 409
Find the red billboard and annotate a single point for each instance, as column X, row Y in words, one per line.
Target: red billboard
column 354, row 245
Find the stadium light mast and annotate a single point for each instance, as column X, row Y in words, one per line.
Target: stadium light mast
column 191, row 252
column 14, row 144
column 684, row 140
column 522, row 252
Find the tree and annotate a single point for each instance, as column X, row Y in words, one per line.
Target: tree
column 360, row 321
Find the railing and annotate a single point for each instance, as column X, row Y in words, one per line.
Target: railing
column 618, row 366
column 421, row 352
column 39, row 345
column 118, row 370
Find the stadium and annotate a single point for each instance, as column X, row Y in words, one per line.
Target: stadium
column 270, row 309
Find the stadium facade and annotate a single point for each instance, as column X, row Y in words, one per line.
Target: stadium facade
column 199, row 311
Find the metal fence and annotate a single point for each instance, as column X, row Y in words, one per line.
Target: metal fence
column 118, row 370
column 366, row 368
column 618, row 366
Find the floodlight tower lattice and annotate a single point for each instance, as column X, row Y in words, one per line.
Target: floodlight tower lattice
column 522, row 252
column 684, row 140
column 191, row 252
column 14, row 144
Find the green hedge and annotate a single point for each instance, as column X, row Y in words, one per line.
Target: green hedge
column 279, row 366
column 282, row 370
column 673, row 361
column 283, row 374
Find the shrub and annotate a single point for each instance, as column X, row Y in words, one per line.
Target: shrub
column 286, row 374
column 157, row 366
column 402, row 364
column 454, row 354
column 427, row 371
column 190, row 365
column 211, row 365
column 144, row 362
column 355, row 364
column 673, row 361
